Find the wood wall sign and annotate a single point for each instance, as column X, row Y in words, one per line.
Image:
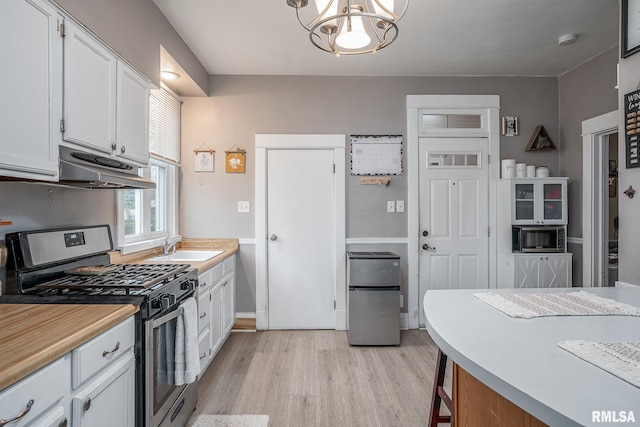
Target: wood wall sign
column 632, row 128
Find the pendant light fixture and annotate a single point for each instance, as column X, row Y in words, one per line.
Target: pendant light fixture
column 350, row 27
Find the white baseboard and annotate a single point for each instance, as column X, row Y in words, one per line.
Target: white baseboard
column 404, row 321
column 245, row 315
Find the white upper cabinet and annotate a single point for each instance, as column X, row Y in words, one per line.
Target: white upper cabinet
column 89, row 91
column 132, row 115
column 106, row 102
column 30, row 111
column 539, row 201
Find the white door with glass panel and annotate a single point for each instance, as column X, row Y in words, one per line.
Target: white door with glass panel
column 454, row 214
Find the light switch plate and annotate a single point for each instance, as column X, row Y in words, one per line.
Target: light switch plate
column 244, row 207
column 399, row 205
column 391, row 206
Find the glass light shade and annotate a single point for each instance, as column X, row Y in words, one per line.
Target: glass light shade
column 388, row 4
column 356, row 38
column 332, row 11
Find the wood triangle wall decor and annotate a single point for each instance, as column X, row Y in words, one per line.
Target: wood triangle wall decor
column 540, row 141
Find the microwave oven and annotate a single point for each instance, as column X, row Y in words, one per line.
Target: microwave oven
column 544, row 238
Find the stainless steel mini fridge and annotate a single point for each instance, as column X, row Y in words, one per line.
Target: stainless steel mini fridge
column 373, row 280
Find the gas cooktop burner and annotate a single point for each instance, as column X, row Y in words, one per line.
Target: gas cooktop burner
column 117, row 279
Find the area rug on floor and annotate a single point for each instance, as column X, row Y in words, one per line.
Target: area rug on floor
column 530, row 305
column 231, row 421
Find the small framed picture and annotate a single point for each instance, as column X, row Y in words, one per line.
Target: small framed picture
column 510, row 126
column 204, row 161
column 235, row 161
column 630, row 40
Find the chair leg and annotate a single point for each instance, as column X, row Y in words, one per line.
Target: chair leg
column 439, row 395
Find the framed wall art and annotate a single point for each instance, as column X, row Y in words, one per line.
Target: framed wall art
column 203, row 159
column 510, row 126
column 630, row 26
column 235, row 160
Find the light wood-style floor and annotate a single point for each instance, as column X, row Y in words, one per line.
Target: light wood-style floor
column 314, row 378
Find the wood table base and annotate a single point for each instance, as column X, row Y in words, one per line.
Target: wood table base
column 475, row 404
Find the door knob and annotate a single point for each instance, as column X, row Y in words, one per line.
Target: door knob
column 425, row 233
column 273, row 237
column 428, row 248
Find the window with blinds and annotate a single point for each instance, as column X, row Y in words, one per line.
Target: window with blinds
column 164, row 125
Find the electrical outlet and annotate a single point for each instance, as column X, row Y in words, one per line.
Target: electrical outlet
column 399, row 205
column 391, row 206
column 243, row 207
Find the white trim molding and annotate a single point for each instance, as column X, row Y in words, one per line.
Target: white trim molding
column 377, row 241
column 490, row 106
column 264, row 143
column 247, row 241
column 593, row 213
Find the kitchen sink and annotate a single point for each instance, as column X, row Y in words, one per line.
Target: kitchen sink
column 186, row 255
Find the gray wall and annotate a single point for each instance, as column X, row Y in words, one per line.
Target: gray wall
column 585, row 92
column 239, row 107
column 629, row 232
column 136, row 29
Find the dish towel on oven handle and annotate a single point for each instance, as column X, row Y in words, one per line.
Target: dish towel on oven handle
column 187, row 362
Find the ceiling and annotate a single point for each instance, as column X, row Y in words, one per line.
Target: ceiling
column 436, row 38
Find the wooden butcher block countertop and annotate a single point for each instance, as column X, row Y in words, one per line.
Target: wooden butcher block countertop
column 34, row 335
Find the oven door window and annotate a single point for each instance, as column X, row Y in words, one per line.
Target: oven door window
column 163, row 362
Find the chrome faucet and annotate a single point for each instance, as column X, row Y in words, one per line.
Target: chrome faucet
column 169, row 244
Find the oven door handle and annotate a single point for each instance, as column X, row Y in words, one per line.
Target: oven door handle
column 170, row 316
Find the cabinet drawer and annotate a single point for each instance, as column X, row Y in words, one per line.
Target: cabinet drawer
column 45, row 388
column 216, row 272
column 229, row 264
column 96, row 354
column 204, row 311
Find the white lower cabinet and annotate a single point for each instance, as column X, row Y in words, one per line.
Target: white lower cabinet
column 31, row 400
column 216, row 308
column 93, row 385
column 535, row 271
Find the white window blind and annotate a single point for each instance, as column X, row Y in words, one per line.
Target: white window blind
column 164, row 124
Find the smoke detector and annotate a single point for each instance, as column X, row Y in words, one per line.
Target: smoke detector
column 567, row 39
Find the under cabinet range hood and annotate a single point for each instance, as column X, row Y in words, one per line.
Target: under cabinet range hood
column 86, row 170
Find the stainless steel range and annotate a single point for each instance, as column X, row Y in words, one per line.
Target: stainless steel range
column 72, row 266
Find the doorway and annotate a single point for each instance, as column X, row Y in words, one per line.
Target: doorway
column 600, row 200
column 451, row 119
column 300, row 232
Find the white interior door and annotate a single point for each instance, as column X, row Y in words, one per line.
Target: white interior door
column 454, row 214
column 300, row 259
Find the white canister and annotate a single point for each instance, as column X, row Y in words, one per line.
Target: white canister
column 542, row 172
column 508, row 168
column 521, row 170
column 531, row 171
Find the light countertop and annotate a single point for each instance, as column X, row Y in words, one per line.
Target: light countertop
column 519, row 358
column 34, row 335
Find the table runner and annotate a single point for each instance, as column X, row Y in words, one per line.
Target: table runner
column 531, row 305
column 621, row 359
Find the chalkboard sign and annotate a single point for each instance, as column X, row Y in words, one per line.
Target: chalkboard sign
column 632, row 128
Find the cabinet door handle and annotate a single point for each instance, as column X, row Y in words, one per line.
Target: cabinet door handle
column 108, row 352
column 203, row 356
column 113, row 146
column 63, row 422
column 203, row 315
column 26, row 410
column 87, row 404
